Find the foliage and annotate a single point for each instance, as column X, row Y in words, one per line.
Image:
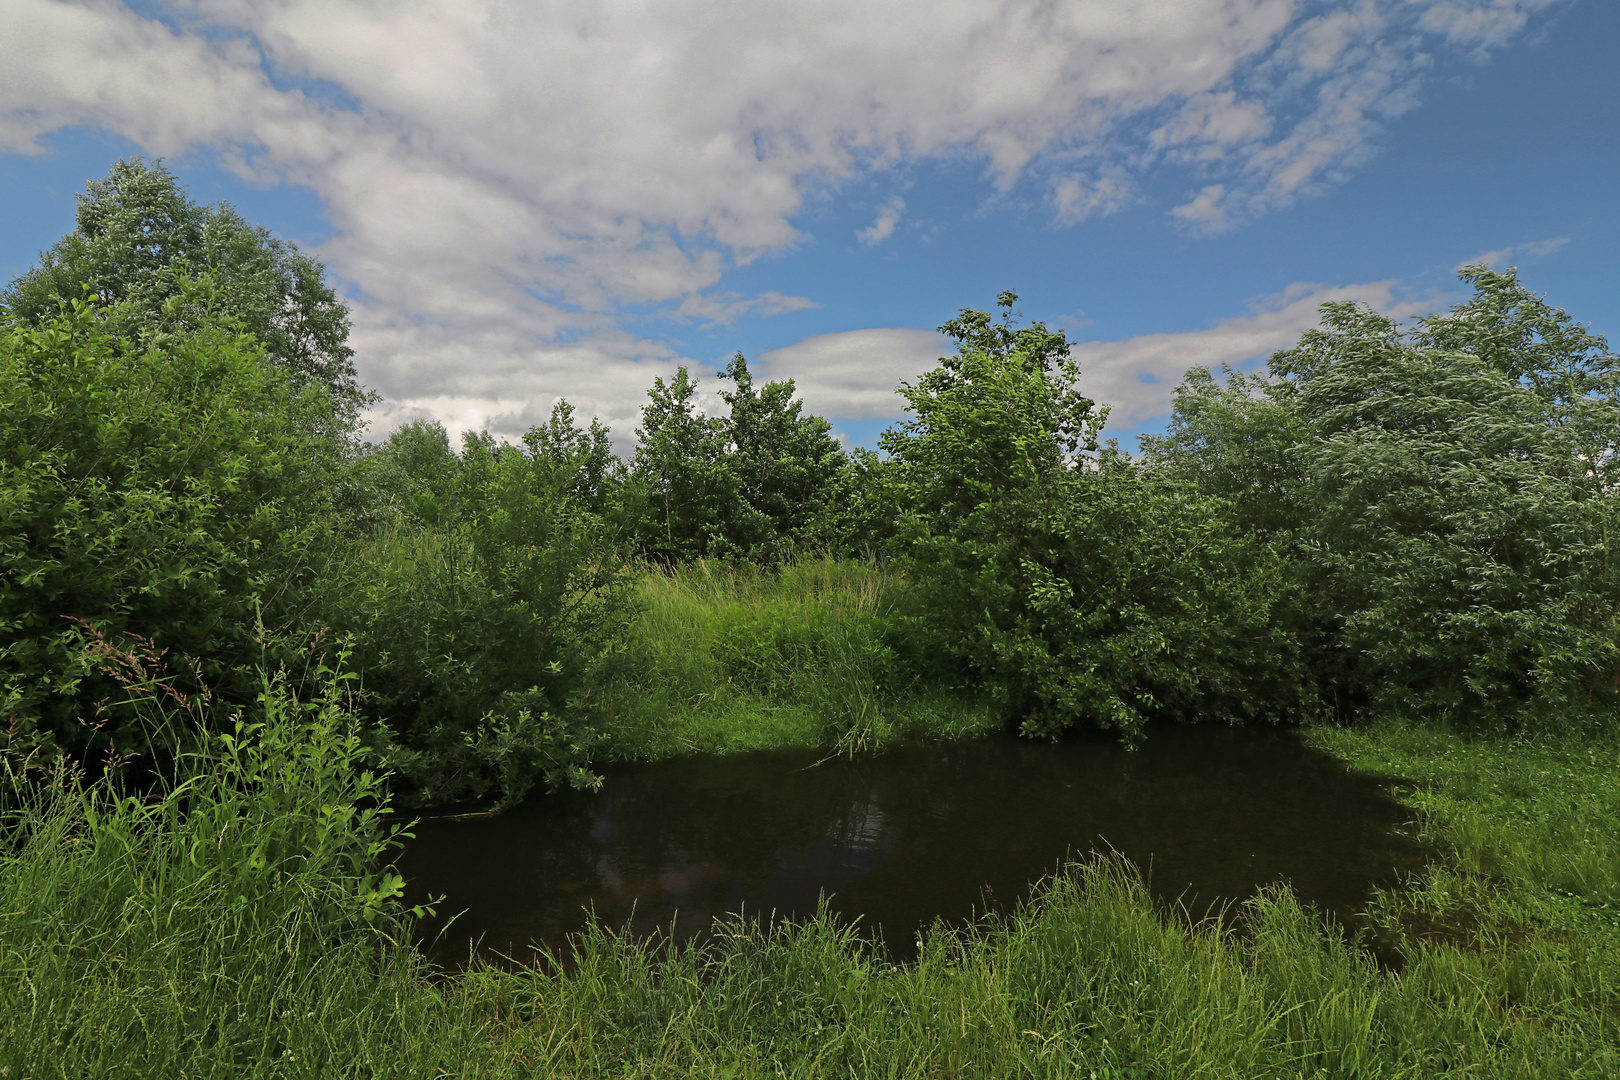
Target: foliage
column 750, row 485
column 137, row 237
column 137, row 940
column 1082, row 588
column 408, row 481
column 725, row 657
column 1234, row 439
column 784, row 462
column 478, row 636
column 678, row 464
column 1446, row 495
column 240, row 922
column 170, row 486
column 580, row 459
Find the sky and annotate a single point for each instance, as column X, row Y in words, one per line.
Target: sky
column 527, row 201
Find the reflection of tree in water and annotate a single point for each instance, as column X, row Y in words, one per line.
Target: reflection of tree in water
column 906, row 836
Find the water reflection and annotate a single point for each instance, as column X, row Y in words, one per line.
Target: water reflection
column 902, row 837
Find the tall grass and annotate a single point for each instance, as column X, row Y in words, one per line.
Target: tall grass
column 242, row 924
column 1089, row 980
column 1529, row 827
column 726, row 657
column 235, row 924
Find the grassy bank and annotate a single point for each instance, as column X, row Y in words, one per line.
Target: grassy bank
column 232, row 928
column 1528, row 836
column 727, row 657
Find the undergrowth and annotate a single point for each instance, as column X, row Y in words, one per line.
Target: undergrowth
column 1528, row 831
column 726, row 657
column 242, row 924
column 235, row 924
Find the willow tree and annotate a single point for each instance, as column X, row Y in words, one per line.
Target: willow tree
column 1447, row 493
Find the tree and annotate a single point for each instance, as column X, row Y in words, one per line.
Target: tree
column 174, row 487
column 784, row 462
column 746, row 485
column 1080, row 588
column 1459, row 515
column 1233, row 438
column 680, row 467
column 579, row 460
column 1570, row 369
column 1445, row 493
column 407, row 480
column 137, row 235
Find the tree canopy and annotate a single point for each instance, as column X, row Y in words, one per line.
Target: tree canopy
column 175, row 489
column 749, row 484
column 1446, row 493
column 136, row 236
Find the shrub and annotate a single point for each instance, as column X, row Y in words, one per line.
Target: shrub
column 168, row 483
column 479, row 637
column 1082, row 588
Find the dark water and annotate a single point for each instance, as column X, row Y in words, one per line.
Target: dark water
column 902, row 837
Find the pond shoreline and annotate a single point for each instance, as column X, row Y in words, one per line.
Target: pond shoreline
column 896, row 839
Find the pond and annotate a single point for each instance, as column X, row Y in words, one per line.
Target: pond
column 899, row 838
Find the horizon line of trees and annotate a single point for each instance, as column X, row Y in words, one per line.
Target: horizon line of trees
column 1388, row 519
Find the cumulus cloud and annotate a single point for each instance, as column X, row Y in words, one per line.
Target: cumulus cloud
column 1079, row 196
column 853, row 374
column 1137, row 376
column 505, row 180
column 882, row 226
column 1535, row 249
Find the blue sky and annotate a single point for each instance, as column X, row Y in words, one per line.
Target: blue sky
column 526, row 203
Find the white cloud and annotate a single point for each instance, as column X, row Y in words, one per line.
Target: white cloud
column 1205, row 211
column 1479, row 23
column 722, row 309
column 1535, row 249
column 853, row 374
column 513, row 176
column 882, row 226
column 1137, row 376
column 1079, row 196
column 1210, row 123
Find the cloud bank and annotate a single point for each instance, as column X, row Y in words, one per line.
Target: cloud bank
column 507, row 179
column 1137, row 377
column 853, row 374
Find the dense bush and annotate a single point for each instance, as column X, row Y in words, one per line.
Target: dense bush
column 478, row 621
column 164, row 481
column 1083, row 589
column 754, row 484
column 1445, row 494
